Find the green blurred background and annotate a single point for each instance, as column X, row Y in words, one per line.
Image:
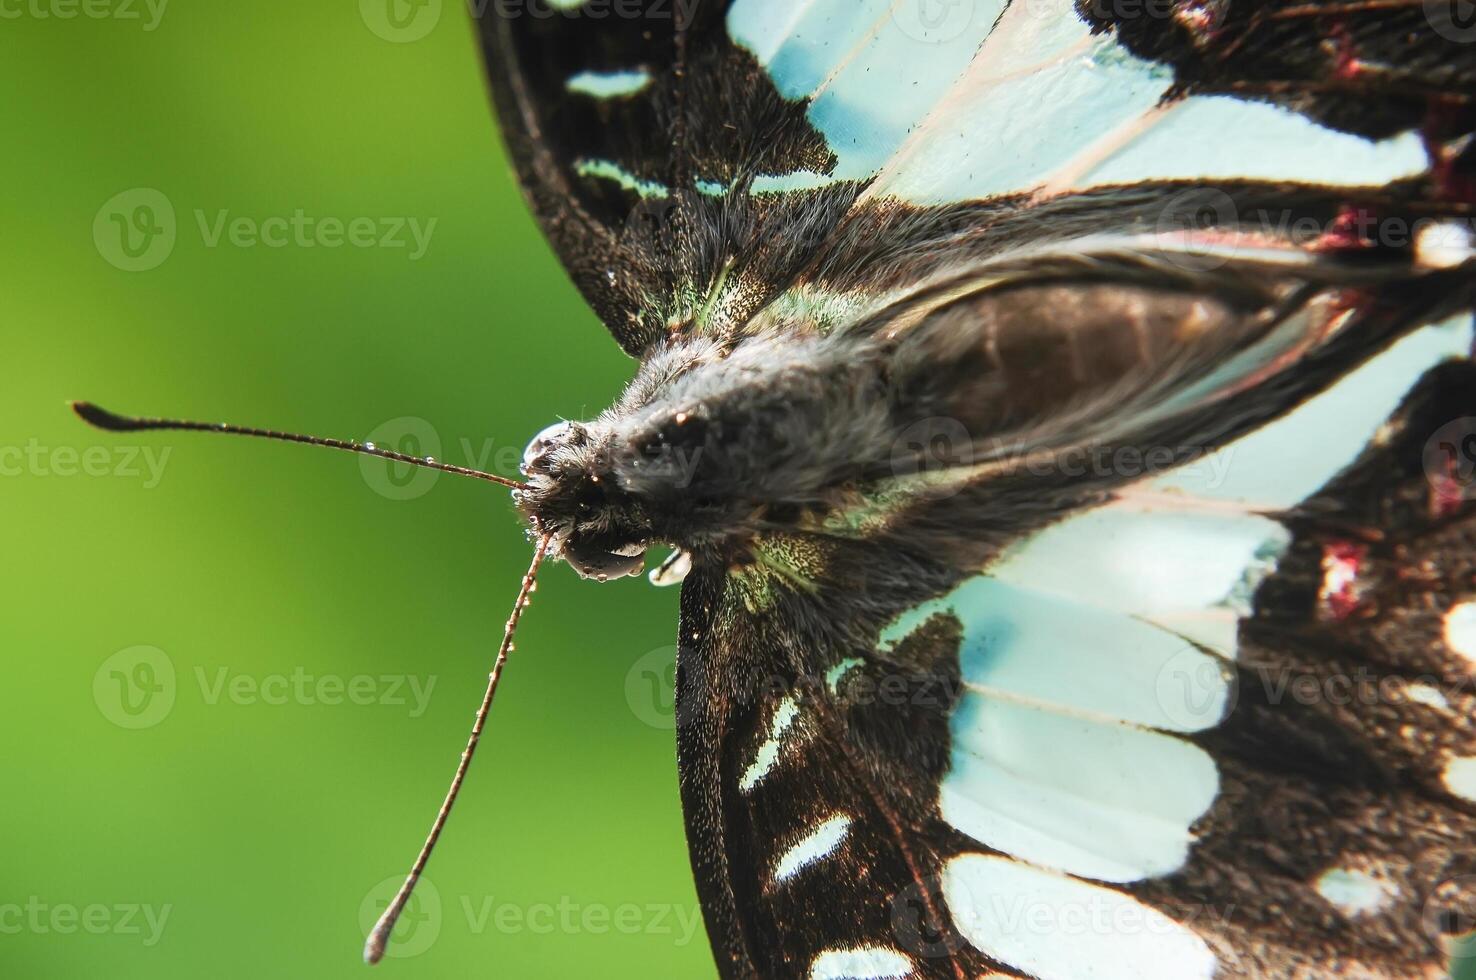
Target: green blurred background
column 183, row 642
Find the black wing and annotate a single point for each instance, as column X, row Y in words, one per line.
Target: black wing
column 629, row 128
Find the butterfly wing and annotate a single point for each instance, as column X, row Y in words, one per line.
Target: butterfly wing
column 748, row 165
column 628, row 124
column 1172, row 735
column 1082, row 754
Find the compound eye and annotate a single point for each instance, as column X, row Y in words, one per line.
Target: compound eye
column 544, row 443
column 593, row 560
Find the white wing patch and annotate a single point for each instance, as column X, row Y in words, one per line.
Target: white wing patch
column 615, row 173
column 1036, row 649
column 1355, row 893
column 1053, row 927
column 609, row 84
column 1094, row 799
column 767, row 756
column 817, row 844
column 1283, row 464
column 1189, row 573
column 861, row 963
column 1460, row 777
column 1271, row 144
column 1460, row 630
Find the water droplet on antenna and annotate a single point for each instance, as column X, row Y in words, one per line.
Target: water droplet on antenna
column 370, row 446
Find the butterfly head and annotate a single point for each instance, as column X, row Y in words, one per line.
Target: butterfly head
column 570, row 494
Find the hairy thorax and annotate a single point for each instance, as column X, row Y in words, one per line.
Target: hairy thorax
column 714, row 443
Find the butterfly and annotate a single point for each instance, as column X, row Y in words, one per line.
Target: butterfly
column 1064, row 419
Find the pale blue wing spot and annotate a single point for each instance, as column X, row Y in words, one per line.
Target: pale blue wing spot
column 834, row 675
column 1460, row 630
column 767, row 756
column 814, row 846
column 799, row 180
column 1076, row 659
column 861, row 963
column 1289, row 460
column 801, row 42
column 1355, row 892
column 1270, row 143
column 868, row 108
column 1460, row 777
column 871, row 78
column 1097, row 800
column 1032, row 921
column 1191, row 573
column 609, row 170
column 609, row 84
column 1009, row 132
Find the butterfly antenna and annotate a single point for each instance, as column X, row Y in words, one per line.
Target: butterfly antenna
column 103, row 419
column 378, row 939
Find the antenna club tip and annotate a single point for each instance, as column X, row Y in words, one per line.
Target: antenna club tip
column 374, row 946
column 99, row 417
